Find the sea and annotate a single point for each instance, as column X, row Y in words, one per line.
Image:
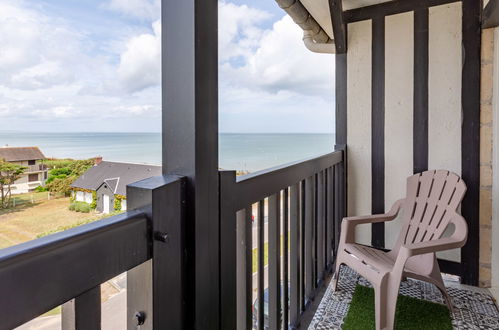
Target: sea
column 242, row 152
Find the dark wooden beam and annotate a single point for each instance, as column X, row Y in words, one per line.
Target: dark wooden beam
column 390, row 8
column 470, row 136
column 378, row 130
column 339, row 26
column 190, row 143
column 421, row 91
column 341, row 99
column 491, row 15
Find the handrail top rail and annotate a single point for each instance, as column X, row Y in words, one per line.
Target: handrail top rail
column 31, row 248
column 295, row 165
column 239, row 192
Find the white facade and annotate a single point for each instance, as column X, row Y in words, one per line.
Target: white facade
column 444, row 111
column 83, row 196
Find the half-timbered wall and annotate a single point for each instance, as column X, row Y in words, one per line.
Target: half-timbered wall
column 410, row 106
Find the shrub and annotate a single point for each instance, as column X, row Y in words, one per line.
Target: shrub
column 60, row 185
column 41, row 189
column 60, row 171
column 117, row 204
column 93, row 205
column 80, row 207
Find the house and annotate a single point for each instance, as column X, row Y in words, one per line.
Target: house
column 30, row 157
column 106, row 183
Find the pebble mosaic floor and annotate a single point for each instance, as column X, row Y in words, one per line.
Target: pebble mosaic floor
column 473, row 307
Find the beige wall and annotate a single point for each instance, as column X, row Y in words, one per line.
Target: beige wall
column 486, row 123
column 399, row 84
column 489, row 221
column 444, row 107
column 444, row 111
column 359, row 123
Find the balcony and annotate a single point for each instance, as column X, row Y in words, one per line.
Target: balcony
column 203, row 248
column 36, row 168
column 292, row 212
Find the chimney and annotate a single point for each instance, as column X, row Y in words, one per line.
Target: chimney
column 97, row 160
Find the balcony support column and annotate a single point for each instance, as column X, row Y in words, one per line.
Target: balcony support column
column 190, row 143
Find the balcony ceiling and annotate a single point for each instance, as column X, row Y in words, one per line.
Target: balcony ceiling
column 319, row 9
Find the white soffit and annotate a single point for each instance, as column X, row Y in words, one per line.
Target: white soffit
column 319, row 9
column 350, row 4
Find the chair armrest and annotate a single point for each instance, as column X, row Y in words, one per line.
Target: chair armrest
column 348, row 224
column 457, row 240
column 392, row 214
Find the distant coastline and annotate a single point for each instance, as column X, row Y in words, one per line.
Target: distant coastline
column 238, row 151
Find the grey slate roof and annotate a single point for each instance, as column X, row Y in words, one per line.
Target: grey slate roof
column 116, row 175
column 16, row 154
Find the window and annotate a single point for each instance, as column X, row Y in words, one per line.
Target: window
column 33, row 177
column 31, row 162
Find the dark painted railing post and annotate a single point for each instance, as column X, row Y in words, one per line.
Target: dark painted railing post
column 83, row 312
column 190, row 143
column 228, row 255
column 156, row 289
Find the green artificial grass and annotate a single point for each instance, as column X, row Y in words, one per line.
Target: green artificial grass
column 411, row 314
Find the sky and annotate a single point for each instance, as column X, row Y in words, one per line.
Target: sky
column 94, row 66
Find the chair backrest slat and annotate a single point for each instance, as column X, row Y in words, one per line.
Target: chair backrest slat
column 431, row 200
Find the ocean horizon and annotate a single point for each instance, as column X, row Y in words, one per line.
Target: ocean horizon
column 237, row 151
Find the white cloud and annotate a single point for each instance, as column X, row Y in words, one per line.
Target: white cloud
column 41, row 75
column 52, row 73
column 34, row 48
column 142, row 9
column 282, row 63
column 56, row 73
column 239, row 32
column 140, row 63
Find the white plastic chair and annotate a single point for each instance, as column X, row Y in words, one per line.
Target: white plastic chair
column 429, row 207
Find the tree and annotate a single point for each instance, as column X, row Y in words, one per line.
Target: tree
column 64, row 173
column 78, row 167
column 9, row 173
column 61, row 185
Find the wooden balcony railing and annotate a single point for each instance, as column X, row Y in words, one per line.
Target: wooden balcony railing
column 298, row 211
column 305, row 204
column 69, row 267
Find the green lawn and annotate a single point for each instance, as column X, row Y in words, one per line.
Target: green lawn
column 30, row 221
column 411, row 314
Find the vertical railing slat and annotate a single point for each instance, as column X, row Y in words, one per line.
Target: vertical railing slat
column 249, row 266
column 320, row 226
column 294, row 262
column 83, row 312
column 285, row 259
column 302, row 245
column 244, row 269
column 337, row 208
column 261, row 265
column 309, row 229
column 274, row 253
column 330, row 215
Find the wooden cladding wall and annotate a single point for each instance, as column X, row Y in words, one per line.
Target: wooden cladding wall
column 404, row 105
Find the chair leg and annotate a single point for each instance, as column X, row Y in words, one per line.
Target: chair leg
column 336, row 275
column 439, row 283
column 386, row 295
column 436, row 279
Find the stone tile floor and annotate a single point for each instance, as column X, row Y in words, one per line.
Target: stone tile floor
column 474, row 308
